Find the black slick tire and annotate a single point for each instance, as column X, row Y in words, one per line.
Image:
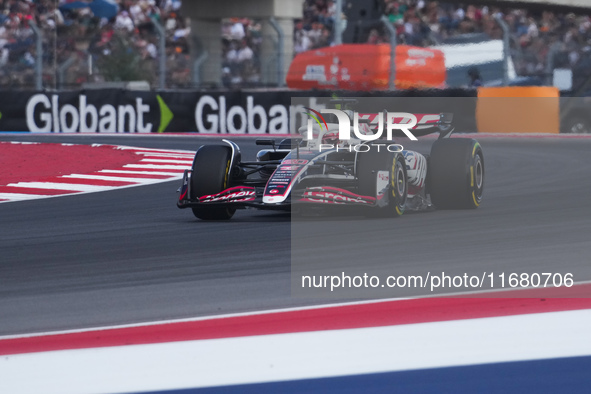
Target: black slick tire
column 456, row 173
column 211, row 173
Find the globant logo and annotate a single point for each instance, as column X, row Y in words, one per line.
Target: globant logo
column 46, row 115
column 215, row 116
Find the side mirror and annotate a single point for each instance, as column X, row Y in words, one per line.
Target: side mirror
column 265, row 142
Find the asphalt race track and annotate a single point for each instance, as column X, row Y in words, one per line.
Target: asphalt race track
column 131, row 255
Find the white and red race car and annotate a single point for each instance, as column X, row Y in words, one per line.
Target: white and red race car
column 378, row 174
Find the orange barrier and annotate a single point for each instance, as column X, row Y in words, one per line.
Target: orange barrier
column 518, row 110
column 366, row 67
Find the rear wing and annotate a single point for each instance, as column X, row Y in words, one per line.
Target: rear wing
column 441, row 123
column 368, row 123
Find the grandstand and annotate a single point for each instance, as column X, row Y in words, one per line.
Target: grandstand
column 540, row 40
column 232, row 44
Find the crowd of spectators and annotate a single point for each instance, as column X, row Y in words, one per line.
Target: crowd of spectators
column 241, row 48
column 79, row 46
column 537, row 37
column 534, row 34
column 76, row 42
column 316, row 28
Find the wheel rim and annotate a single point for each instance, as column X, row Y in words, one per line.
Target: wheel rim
column 478, row 177
column 479, row 172
column 400, row 179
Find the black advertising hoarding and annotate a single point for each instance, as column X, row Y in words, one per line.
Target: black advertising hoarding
column 127, row 111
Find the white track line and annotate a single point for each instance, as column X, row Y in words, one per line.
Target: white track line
column 188, row 162
column 151, row 150
column 62, row 186
column 113, row 178
column 305, row 355
column 175, row 174
column 20, row 196
column 171, row 155
column 155, row 167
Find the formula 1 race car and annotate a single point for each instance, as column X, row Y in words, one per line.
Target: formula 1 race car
column 382, row 177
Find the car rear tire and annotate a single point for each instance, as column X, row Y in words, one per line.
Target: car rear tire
column 456, row 174
column 211, row 175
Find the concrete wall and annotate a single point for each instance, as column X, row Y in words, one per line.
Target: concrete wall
column 210, row 9
column 206, row 16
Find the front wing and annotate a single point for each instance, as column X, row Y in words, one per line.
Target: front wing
column 252, row 196
column 236, row 196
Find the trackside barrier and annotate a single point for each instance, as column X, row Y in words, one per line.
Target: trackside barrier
column 494, row 110
column 207, row 112
column 518, row 110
